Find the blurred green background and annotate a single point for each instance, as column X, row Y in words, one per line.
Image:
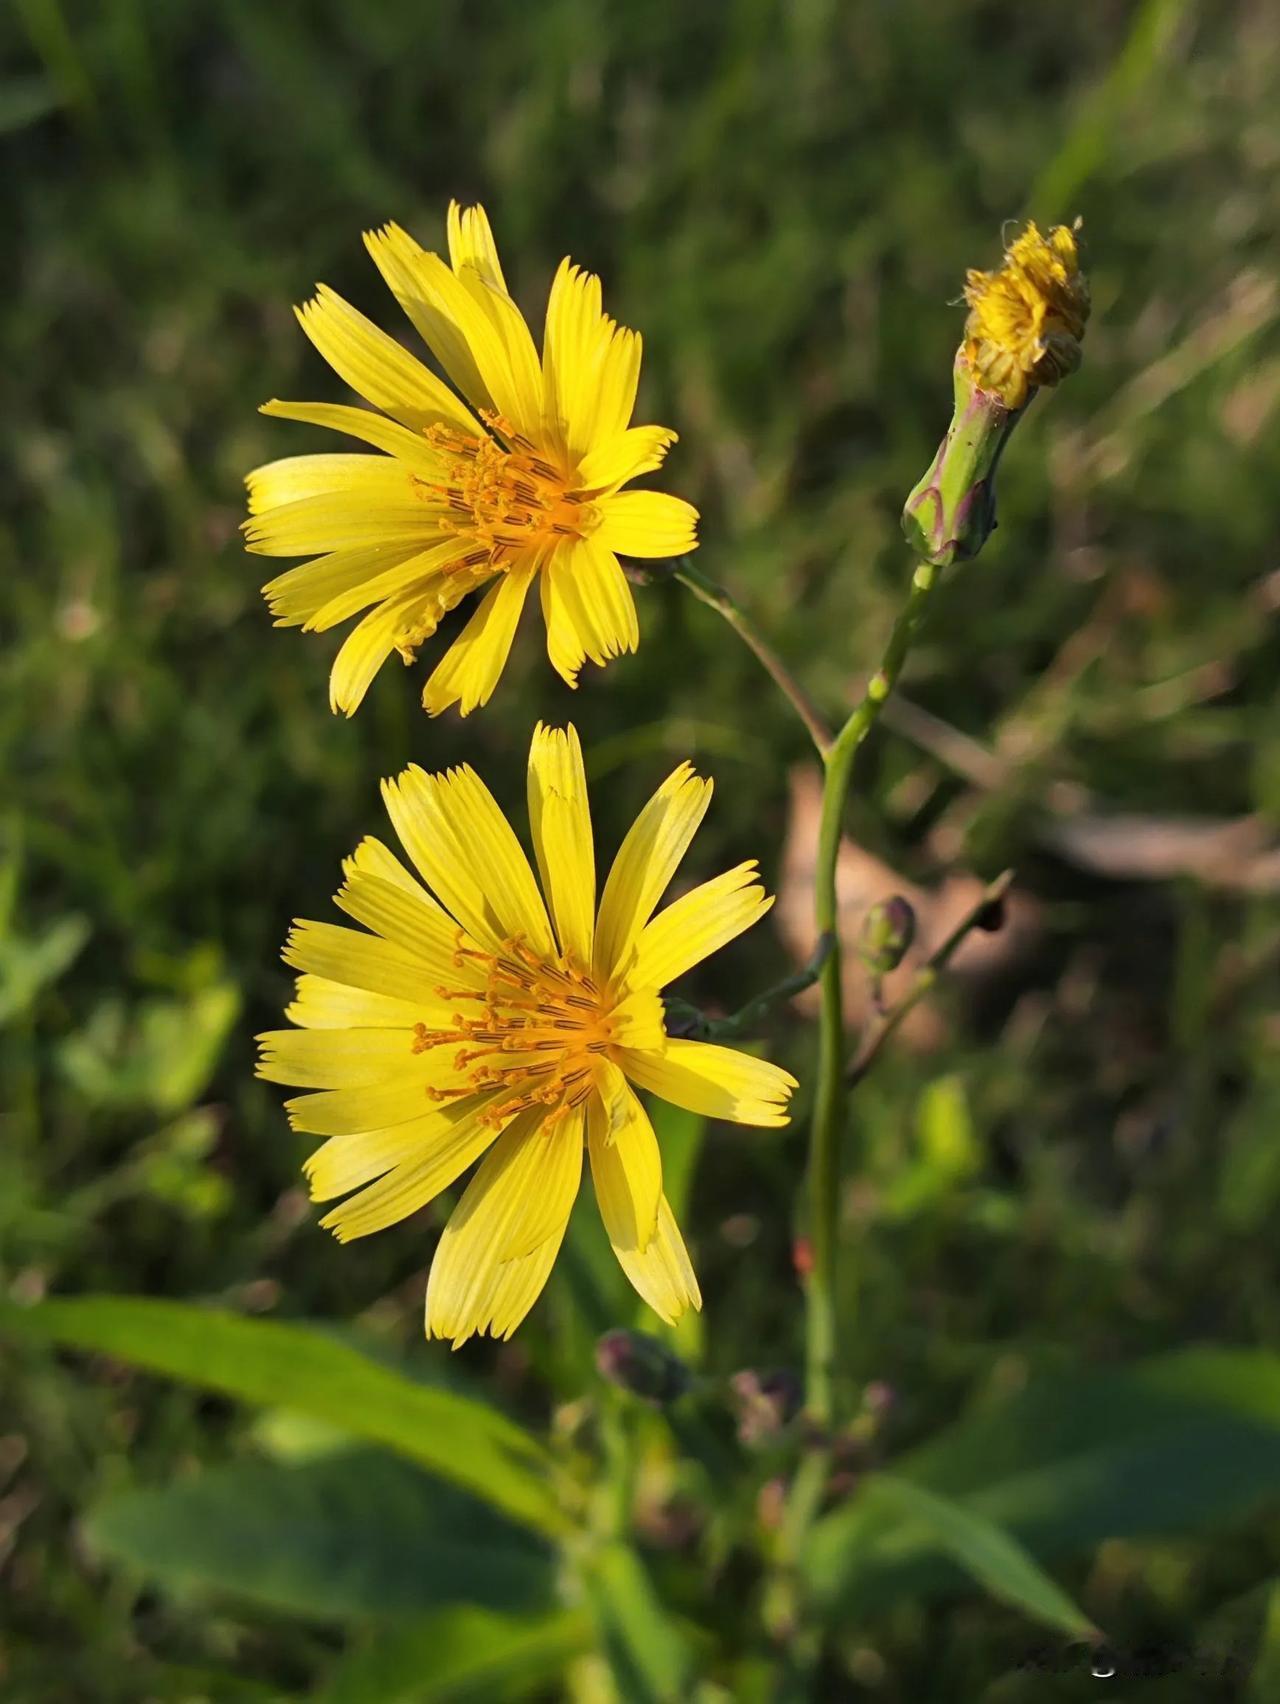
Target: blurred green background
column 1084, row 1169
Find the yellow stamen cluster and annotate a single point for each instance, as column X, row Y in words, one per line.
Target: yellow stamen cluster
column 1026, row 320
column 542, row 1027
column 505, row 495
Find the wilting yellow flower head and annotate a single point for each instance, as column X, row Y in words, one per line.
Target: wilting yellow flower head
column 1026, row 320
column 522, row 481
column 487, row 1022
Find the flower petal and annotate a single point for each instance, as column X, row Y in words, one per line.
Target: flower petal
column 696, row 925
column 321, row 1004
column 465, row 851
column 646, row 862
column 363, row 423
column 647, row 524
column 626, row 1165
column 376, row 366
column 296, row 595
column 560, row 821
column 470, row 669
column 719, row 1082
column 572, row 344
column 662, row 1273
column 367, row 646
column 519, row 1198
column 613, row 461
column 471, row 243
column 346, row 1162
column 358, row 960
column 588, row 607
column 333, row 1059
column 447, row 1152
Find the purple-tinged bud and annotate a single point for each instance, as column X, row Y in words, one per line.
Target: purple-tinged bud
column 641, row 1365
column 888, row 930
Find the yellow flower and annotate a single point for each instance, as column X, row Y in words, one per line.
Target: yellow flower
column 487, row 1022
column 1026, row 321
column 523, row 484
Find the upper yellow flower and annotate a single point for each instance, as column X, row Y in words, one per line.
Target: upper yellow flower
column 1026, row 320
column 485, row 1021
column 528, row 485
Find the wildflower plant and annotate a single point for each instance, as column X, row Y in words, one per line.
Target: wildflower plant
column 492, row 1016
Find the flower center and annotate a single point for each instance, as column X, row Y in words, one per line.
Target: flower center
column 504, row 495
column 541, row 1028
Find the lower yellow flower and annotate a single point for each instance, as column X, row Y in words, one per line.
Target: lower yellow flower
column 488, row 1022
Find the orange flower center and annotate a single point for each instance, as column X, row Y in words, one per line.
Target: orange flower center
column 541, row 1028
column 504, row 495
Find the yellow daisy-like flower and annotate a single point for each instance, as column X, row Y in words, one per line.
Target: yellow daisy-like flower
column 1026, row 320
column 523, row 484
column 485, row 1021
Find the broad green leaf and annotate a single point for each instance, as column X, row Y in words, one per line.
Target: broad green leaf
column 462, row 1655
column 1161, row 1447
column 360, row 1533
column 276, row 1362
column 649, row 1655
column 982, row 1549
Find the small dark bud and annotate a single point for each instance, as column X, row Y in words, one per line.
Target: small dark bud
column 637, row 1363
column 991, row 918
column 888, row 930
column 766, row 1403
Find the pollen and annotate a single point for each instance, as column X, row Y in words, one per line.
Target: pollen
column 540, row 1030
column 501, row 492
column 1026, row 321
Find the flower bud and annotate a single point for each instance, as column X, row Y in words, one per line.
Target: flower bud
column 888, row 930
column 640, row 1364
column 1024, row 330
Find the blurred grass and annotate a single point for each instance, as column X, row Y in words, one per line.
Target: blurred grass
column 784, row 200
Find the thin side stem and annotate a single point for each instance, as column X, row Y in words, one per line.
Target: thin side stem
column 821, row 1348
column 709, row 593
column 885, row 1023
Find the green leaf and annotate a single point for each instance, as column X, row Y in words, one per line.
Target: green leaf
column 1161, row 1447
column 983, row 1550
column 649, row 1656
column 31, row 965
column 360, row 1533
column 275, row 1362
column 461, row 1655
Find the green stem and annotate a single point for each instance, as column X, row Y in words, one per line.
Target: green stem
column 821, row 1349
column 715, row 597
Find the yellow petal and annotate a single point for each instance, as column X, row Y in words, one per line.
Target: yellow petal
column 471, row 243
column 560, row 821
column 363, row 423
column 616, row 384
column 375, row 510
column 413, row 1182
column 415, row 923
column 588, row 608
column 465, row 851
column 470, row 669
column 572, row 346
column 520, row 1197
column 719, row 1082
column 638, row 1020
column 427, row 574
column 296, row 595
column 333, row 1059
column 414, row 279
column 613, row 461
column 646, row 862
column 375, row 365
column 626, row 1166
column 662, row 1273
column 321, row 1004
column 368, row 645
column 358, row 960
column 372, row 479
column 647, row 524
column 372, row 858
column 375, row 1106
column 344, row 1163
column 696, row 925
column 520, row 1282
column 515, row 382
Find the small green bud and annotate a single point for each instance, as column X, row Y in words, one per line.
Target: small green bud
column 952, row 511
column 638, row 1363
column 888, row 930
